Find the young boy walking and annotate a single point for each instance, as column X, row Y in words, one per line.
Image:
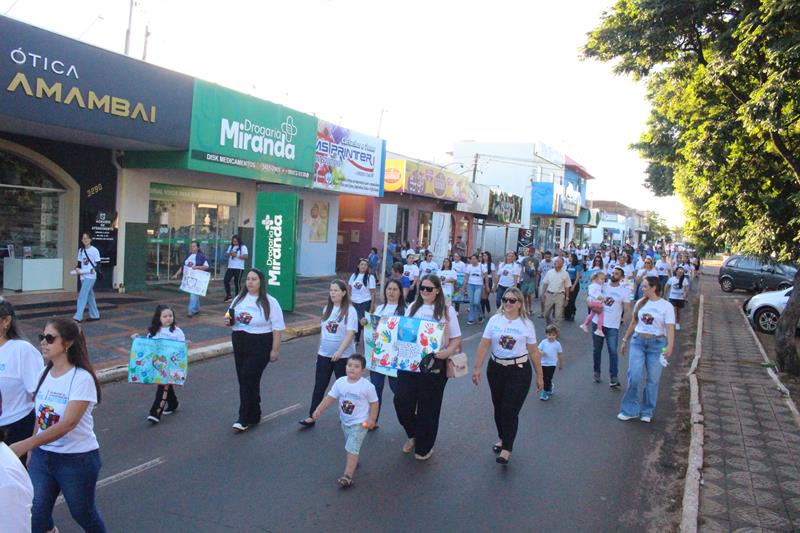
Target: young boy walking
column 551, row 356
column 358, row 411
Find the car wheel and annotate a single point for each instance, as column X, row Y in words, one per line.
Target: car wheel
column 726, row 284
column 784, row 285
column 766, row 320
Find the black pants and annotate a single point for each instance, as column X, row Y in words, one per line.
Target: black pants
column 251, row 355
column 325, row 367
column 165, row 397
column 361, row 308
column 547, row 374
column 418, row 403
column 20, row 430
column 234, row 274
column 509, row 386
column 569, row 310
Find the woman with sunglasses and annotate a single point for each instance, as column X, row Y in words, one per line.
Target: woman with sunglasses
column 511, row 338
column 418, row 399
column 337, row 332
column 651, row 334
column 361, row 289
column 646, row 272
column 20, row 367
column 65, row 454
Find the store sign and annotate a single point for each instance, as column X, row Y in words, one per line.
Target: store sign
column 50, row 80
column 394, row 175
column 176, row 193
column 568, row 199
column 524, row 241
column 104, row 237
column 477, row 200
column 432, row 181
column 542, row 198
column 239, row 135
column 505, row 208
column 347, row 161
column 274, row 243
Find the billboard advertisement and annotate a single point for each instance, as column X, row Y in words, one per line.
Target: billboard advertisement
column 274, row 243
column 394, row 175
column 477, row 200
column 432, row 181
column 347, row 161
column 542, row 198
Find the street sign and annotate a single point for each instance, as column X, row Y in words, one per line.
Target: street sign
column 388, row 218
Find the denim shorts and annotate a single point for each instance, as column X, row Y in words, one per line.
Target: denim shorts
column 354, row 435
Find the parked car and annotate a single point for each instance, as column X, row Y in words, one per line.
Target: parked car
column 750, row 274
column 763, row 310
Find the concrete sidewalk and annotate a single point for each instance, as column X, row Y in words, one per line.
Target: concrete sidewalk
column 751, row 466
column 123, row 314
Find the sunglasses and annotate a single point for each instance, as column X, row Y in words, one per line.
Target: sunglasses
column 426, row 288
column 510, row 300
column 49, row 339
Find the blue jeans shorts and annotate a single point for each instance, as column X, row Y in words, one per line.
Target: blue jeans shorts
column 354, row 435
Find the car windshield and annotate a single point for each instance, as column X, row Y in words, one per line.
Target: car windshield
column 789, row 269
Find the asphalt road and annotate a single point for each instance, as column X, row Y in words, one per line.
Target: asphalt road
column 575, row 466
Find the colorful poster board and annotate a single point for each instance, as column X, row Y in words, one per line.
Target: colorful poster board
column 158, row 362
column 460, row 294
column 398, row 342
column 195, row 281
column 348, row 161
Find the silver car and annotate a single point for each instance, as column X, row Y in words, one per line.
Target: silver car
column 763, row 310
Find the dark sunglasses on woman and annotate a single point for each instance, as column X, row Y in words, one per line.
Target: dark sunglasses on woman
column 49, row 339
column 426, row 288
column 509, row 300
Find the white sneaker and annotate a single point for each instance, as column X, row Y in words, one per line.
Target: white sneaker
column 678, row 327
column 625, row 417
column 239, row 427
column 153, row 419
column 646, row 419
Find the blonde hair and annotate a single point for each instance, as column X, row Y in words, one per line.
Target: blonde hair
column 516, row 293
column 598, row 274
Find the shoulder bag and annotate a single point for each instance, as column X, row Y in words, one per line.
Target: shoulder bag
column 94, row 267
column 457, row 365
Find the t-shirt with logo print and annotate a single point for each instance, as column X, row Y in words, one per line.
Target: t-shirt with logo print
column 474, row 274
column 509, row 337
column 506, row 273
column 411, row 272
column 51, row 403
column 235, row 261
column 249, row 317
column 545, row 267
column 428, row 267
column 333, row 331
column 550, row 351
column 654, row 316
column 87, row 256
column 613, row 300
column 678, row 290
column 353, row 399
column 662, row 267
column 360, row 288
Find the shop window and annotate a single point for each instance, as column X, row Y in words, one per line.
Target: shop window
column 425, row 225
column 401, row 231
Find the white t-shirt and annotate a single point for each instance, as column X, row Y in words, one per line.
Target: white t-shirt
column 428, row 267
column 628, row 270
column 386, row 310
column 87, row 271
column 640, row 264
column 610, row 264
column 676, row 292
column 191, row 262
column 236, row 261
column 652, row 273
column 453, row 328
column 360, row 289
column 459, row 266
column 16, row 493
column 613, row 300
column 165, row 333
column 353, row 399
column 550, row 351
column 509, row 337
column 506, row 273
column 20, row 367
column 333, row 332
column 51, row 403
column 447, row 288
column 663, row 268
column 250, row 316
column 545, row 267
column 411, row 272
column 654, row 317
column 688, row 269
column 474, row 274
column 485, row 268
column 595, row 291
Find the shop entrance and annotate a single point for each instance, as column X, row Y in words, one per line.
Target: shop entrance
column 179, row 215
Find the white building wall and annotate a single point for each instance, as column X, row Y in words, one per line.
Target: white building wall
column 317, row 258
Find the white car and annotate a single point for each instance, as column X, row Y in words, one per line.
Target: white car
column 763, row 310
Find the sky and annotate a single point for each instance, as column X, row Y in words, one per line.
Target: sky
column 427, row 73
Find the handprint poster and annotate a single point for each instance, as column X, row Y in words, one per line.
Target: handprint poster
column 460, row 294
column 158, row 362
column 398, row 342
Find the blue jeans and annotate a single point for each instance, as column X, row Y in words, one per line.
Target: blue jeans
column 194, row 304
column 644, row 356
column 73, row 474
column 378, row 380
column 474, row 292
column 612, row 341
column 86, row 296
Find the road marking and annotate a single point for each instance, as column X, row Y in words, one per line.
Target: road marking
column 281, row 412
column 124, row 475
column 474, row 335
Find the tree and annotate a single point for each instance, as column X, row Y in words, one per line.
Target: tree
column 677, row 233
column 656, row 226
column 724, row 131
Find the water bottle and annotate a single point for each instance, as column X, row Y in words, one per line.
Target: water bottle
column 663, row 359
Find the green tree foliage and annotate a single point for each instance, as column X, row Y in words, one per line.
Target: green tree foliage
column 656, row 226
column 724, row 131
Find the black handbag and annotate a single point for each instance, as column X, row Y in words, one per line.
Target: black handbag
column 94, row 267
column 429, row 364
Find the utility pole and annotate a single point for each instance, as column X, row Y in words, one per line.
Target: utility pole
column 128, row 32
column 146, row 38
column 475, row 167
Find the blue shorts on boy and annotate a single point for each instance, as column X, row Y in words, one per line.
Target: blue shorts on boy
column 353, row 399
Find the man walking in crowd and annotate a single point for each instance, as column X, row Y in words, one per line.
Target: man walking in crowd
column 616, row 297
column 528, row 264
column 545, row 266
column 555, row 288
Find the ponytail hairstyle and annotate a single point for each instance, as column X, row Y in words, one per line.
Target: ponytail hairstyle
column 366, row 275
column 439, row 305
column 155, row 324
column 77, row 353
column 344, row 306
column 7, row 310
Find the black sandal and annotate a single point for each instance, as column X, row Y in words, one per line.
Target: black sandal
column 503, row 460
column 345, row 482
column 305, row 423
column 497, row 448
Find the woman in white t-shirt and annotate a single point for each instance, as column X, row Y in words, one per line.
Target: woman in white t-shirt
column 677, row 292
column 20, row 367
column 507, row 276
column 647, row 271
column 611, row 262
column 337, row 333
column 510, row 337
column 475, row 282
column 361, row 289
column 411, row 272
column 236, row 254
column 163, row 326
column 449, row 277
column 196, row 260
column 88, row 262
column 65, row 454
column 257, row 320
column 651, row 334
column 428, row 265
column 418, row 400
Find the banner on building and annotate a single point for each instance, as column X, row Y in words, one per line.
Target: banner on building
column 542, row 198
column 524, row 240
column 347, row 161
column 274, row 243
column 195, row 281
column 398, row 343
column 440, row 236
column 504, row 208
column 158, row 362
column 394, row 175
column 435, row 182
column 477, row 200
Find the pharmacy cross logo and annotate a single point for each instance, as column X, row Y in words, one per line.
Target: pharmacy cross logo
column 267, row 222
column 288, row 128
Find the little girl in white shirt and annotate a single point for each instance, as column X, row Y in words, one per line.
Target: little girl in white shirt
column 595, row 301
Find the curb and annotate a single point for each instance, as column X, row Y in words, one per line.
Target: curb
column 691, row 488
column 120, row 372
